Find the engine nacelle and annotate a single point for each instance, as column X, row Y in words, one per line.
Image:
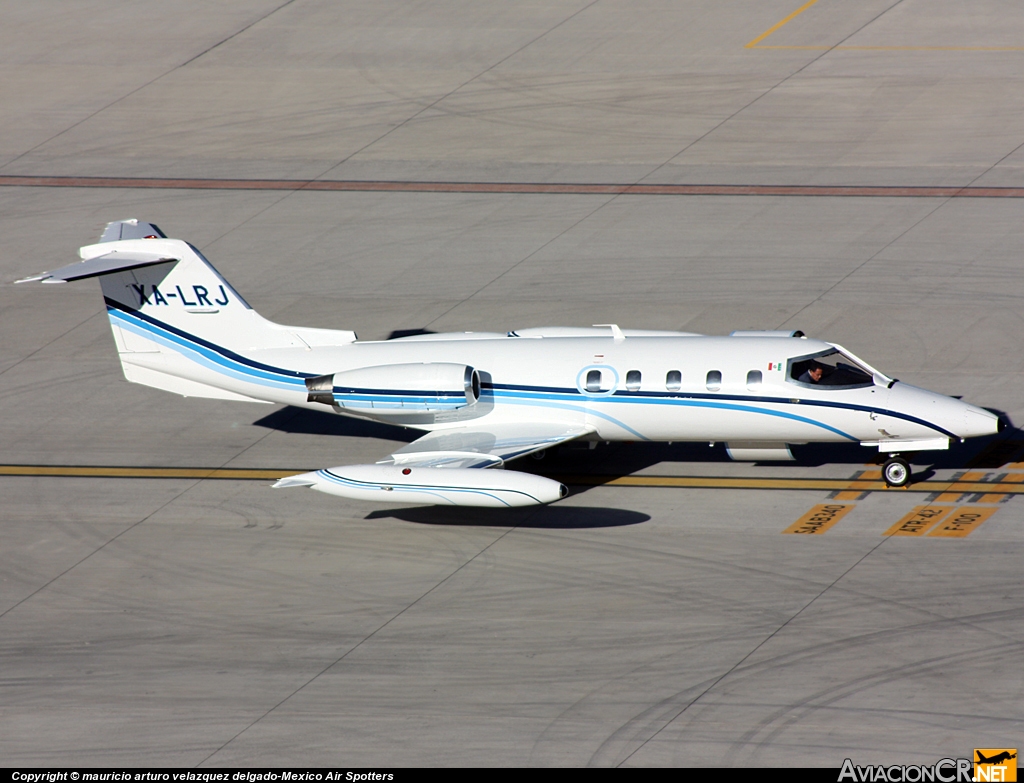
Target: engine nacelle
column 432, row 486
column 398, row 390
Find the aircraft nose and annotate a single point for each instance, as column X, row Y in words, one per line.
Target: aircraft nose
column 979, row 421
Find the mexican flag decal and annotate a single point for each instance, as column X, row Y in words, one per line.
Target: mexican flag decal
column 775, row 366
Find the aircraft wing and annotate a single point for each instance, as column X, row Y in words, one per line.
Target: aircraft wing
column 442, row 468
column 483, row 446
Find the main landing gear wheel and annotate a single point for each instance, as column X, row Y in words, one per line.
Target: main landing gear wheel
column 896, row 472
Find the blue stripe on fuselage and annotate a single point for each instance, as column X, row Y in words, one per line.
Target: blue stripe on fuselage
column 520, row 398
column 240, row 367
column 656, row 398
column 172, row 337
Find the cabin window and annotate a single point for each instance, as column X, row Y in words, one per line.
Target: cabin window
column 633, row 380
column 673, row 380
column 829, row 370
column 754, row 379
column 594, row 381
column 714, row 381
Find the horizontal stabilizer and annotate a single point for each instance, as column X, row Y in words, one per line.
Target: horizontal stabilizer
column 101, row 265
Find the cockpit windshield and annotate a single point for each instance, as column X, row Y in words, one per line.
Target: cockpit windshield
column 829, row 369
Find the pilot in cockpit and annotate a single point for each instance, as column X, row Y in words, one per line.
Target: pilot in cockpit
column 812, row 374
column 843, row 374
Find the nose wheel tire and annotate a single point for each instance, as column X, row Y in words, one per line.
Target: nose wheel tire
column 896, row 472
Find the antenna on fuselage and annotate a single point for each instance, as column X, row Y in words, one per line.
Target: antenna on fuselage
column 617, row 334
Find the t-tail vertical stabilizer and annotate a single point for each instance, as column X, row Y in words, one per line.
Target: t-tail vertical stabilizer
column 180, row 326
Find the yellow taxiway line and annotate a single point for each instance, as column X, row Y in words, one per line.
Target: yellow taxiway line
column 756, row 43
column 122, row 472
column 776, row 26
column 1005, row 487
column 895, row 48
column 860, row 485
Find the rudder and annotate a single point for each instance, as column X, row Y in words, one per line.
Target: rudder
column 180, row 326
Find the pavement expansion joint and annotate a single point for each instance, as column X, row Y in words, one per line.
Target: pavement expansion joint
column 526, row 188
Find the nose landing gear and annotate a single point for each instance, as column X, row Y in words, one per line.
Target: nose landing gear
column 896, row 471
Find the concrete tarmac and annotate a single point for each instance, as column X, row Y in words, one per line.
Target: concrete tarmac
column 203, row 622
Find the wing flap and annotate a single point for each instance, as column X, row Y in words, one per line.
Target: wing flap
column 101, row 265
column 484, row 447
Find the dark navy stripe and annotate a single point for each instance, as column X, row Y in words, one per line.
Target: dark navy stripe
column 399, row 392
column 637, row 396
column 115, row 305
column 619, row 396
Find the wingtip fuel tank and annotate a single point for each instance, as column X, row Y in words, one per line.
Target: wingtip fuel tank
column 427, row 485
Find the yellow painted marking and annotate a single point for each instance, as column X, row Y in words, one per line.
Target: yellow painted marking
column 819, row 519
column 955, row 497
column 858, row 494
column 1012, row 486
column 756, row 43
column 1017, row 478
column 991, row 499
column 919, row 521
column 776, row 26
column 896, row 48
column 711, row 482
column 963, row 522
column 972, row 475
column 114, row 472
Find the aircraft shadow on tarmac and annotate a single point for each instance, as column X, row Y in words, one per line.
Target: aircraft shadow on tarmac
column 623, row 459
column 305, row 422
column 540, row 517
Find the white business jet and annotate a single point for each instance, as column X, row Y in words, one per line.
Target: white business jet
column 484, row 399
